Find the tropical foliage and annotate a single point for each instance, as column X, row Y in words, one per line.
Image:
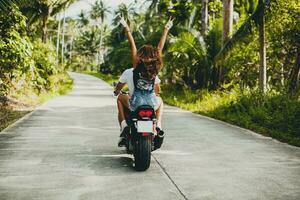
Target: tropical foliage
column 15, row 48
column 28, row 64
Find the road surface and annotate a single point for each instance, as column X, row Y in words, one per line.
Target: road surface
column 67, row 149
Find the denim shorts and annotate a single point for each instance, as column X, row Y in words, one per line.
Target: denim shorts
column 140, row 98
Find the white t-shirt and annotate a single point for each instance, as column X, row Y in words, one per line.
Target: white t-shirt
column 127, row 77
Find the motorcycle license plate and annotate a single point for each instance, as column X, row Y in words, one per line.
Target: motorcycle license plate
column 145, row 126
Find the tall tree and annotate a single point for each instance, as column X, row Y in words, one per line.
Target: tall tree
column 42, row 10
column 226, row 31
column 294, row 83
column 58, row 37
column 204, row 16
column 63, row 38
column 262, row 50
column 227, row 20
column 99, row 11
column 244, row 30
column 125, row 11
column 82, row 19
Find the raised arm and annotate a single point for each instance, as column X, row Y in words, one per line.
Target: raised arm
column 131, row 42
column 163, row 38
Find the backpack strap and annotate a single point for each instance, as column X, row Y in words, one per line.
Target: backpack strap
column 135, row 77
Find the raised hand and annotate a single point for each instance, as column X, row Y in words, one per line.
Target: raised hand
column 123, row 22
column 169, row 23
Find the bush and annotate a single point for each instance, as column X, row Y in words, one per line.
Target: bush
column 275, row 115
column 45, row 66
column 15, row 49
column 26, row 67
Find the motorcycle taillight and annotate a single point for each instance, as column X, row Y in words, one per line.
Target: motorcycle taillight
column 145, row 113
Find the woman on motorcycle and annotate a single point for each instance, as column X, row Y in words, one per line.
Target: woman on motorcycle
column 141, row 79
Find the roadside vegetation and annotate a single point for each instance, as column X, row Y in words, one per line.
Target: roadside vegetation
column 273, row 115
column 109, row 78
column 30, row 71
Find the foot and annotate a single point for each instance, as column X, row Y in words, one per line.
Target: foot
column 124, row 132
column 122, row 142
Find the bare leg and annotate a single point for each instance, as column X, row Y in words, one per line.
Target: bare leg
column 122, row 103
column 159, row 138
column 159, row 112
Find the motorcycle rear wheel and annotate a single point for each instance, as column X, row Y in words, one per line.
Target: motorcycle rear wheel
column 142, row 153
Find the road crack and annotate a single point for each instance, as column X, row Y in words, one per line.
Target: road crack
column 170, row 178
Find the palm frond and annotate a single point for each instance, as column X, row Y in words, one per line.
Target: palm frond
column 5, row 4
column 61, row 5
column 185, row 42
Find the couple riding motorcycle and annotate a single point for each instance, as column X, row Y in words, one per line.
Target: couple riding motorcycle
column 142, row 81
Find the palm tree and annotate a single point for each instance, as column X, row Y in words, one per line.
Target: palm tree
column 83, row 20
column 258, row 18
column 88, row 42
column 244, row 30
column 191, row 58
column 99, row 11
column 294, row 83
column 125, row 11
column 204, row 16
column 41, row 11
column 153, row 8
column 262, row 49
column 226, row 30
column 227, row 20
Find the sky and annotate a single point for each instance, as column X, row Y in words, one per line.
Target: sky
column 85, row 5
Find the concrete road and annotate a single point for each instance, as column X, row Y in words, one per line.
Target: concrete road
column 67, row 150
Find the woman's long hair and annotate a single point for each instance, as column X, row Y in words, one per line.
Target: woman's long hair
column 149, row 61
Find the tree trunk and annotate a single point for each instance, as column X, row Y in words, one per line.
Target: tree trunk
column 227, row 20
column 63, row 39
column 262, row 51
column 48, row 11
column 57, row 40
column 204, row 17
column 100, row 46
column 295, row 75
column 282, row 75
column 71, row 48
column 192, row 18
column 45, row 34
column 226, row 33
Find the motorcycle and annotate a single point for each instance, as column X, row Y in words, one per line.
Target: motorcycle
column 142, row 138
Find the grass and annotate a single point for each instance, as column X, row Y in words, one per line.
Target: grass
column 110, row 79
column 9, row 116
column 273, row 115
column 25, row 99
